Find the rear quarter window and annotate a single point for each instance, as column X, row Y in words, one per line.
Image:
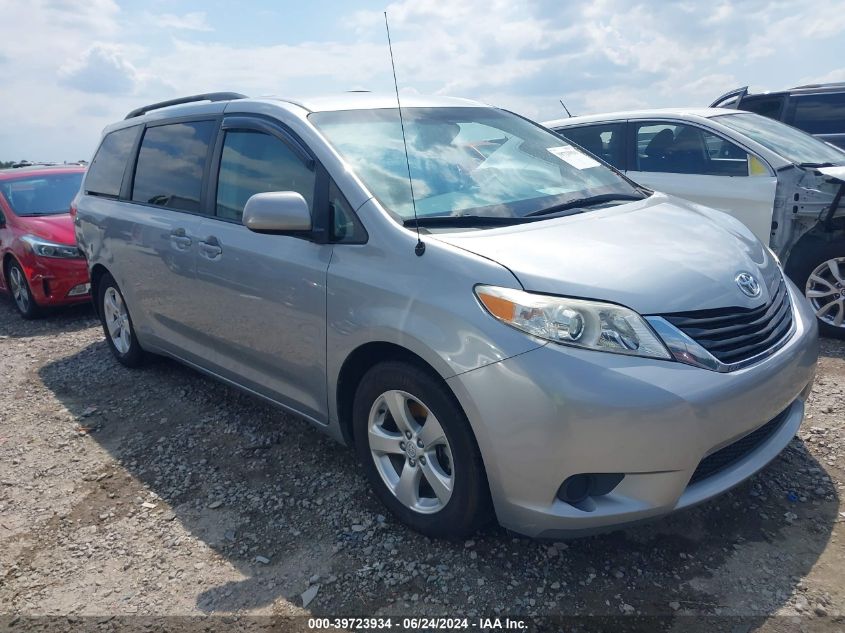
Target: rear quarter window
column 105, row 174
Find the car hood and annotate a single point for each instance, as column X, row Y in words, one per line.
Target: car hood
column 56, row 228
column 656, row 256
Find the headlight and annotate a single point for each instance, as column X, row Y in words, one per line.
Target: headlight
column 588, row 324
column 46, row 248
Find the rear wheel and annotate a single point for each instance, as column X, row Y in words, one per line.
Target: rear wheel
column 117, row 324
column 21, row 292
column 818, row 268
column 418, row 451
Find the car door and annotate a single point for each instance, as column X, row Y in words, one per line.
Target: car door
column 156, row 234
column 700, row 165
column 263, row 297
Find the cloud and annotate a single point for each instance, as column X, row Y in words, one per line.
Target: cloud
column 194, row 21
column 101, row 69
column 79, row 66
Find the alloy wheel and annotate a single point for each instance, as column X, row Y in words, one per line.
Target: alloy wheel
column 411, row 451
column 20, row 289
column 117, row 320
column 825, row 289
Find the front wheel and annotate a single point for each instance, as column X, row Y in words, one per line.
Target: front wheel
column 418, row 452
column 117, row 324
column 21, row 292
column 818, row 268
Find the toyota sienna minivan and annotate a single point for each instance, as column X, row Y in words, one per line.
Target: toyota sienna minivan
column 516, row 330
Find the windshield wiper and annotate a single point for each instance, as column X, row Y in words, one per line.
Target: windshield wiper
column 812, row 165
column 434, row 221
column 584, row 202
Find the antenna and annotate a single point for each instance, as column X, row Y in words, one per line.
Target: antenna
column 419, row 249
column 565, row 108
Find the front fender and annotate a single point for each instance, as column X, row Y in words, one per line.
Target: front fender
column 425, row 305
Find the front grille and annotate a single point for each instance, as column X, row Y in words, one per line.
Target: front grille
column 734, row 335
column 732, row 453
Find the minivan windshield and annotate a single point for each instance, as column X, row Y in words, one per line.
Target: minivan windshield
column 468, row 161
column 791, row 143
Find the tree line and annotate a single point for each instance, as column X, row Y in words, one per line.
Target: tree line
column 7, row 164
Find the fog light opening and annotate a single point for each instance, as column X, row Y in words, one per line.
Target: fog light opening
column 81, row 289
column 578, row 489
column 575, row 489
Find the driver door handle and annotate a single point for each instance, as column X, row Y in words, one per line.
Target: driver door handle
column 180, row 239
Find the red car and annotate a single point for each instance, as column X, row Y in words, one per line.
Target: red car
column 42, row 266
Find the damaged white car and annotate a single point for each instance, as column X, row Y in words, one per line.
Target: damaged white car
column 782, row 183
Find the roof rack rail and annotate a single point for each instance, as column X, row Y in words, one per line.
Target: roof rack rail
column 833, row 84
column 208, row 96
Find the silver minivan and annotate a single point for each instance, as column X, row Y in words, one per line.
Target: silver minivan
column 498, row 323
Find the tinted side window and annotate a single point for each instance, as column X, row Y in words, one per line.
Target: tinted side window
column 171, row 164
column 764, row 106
column 106, row 171
column 820, row 114
column 685, row 149
column 254, row 162
column 605, row 140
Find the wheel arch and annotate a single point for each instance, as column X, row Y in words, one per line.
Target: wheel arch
column 358, row 363
column 8, row 258
column 97, row 273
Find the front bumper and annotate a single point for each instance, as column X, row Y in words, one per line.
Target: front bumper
column 558, row 411
column 54, row 280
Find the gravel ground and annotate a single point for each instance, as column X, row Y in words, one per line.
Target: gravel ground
column 161, row 492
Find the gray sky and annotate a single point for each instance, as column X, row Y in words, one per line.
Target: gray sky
column 70, row 67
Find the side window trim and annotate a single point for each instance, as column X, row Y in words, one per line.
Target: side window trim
column 788, row 115
column 232, row 123
column 129, row 170
column 626, row 142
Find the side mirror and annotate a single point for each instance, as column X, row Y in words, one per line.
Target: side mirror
column 277, row 212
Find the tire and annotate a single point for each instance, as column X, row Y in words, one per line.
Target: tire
column 450, row 461
column 818, row 269
column 21, row 292
column 117, row 323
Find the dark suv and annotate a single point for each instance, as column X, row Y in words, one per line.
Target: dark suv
column 817, row 108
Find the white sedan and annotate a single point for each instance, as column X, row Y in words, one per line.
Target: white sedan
column 782, row 183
